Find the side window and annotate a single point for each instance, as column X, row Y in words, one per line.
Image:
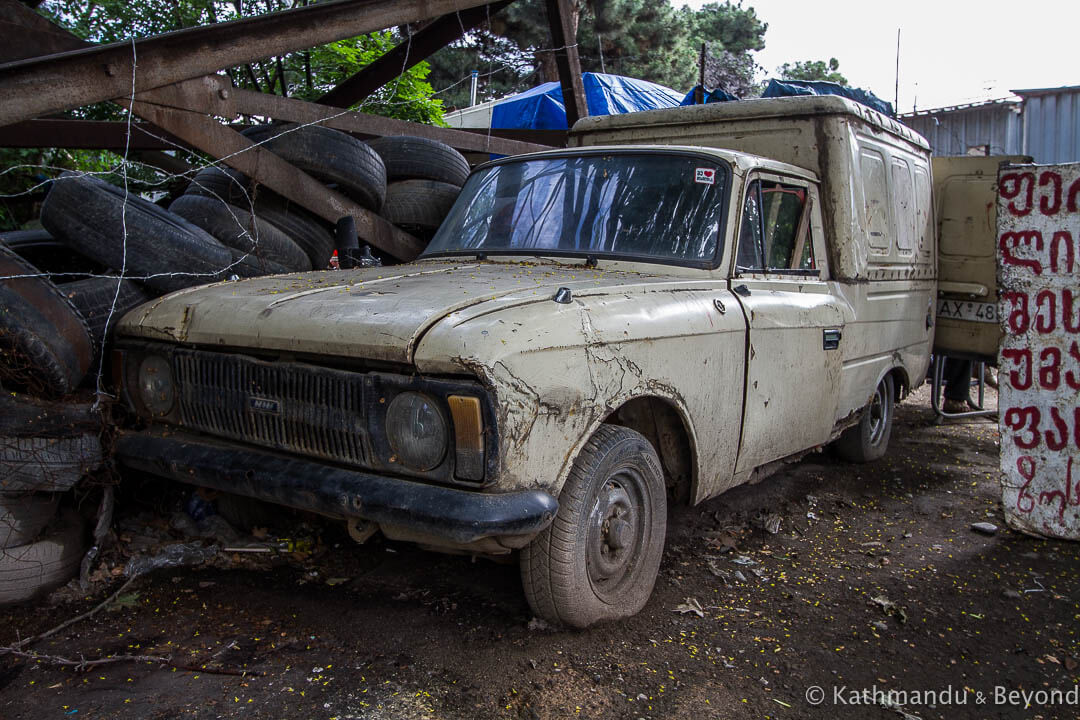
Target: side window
column 750, row 234
column 787, row 226
column 775, row 232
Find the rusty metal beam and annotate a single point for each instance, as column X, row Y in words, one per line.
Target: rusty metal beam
column 44, row 85
column 417, row 48
column 235, row 150
column 26, row 34
column 547, row 138
column 214, row 95
column 564, row 42
column 87, row 134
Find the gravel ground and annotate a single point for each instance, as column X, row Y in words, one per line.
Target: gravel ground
column 874, row 581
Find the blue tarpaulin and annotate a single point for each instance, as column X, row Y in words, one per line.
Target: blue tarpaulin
column 541, row 108
column 789, row 88
column 711, row 96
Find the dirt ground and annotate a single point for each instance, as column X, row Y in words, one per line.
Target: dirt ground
column 875, row 581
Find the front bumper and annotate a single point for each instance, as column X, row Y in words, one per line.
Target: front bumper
column 454, row 515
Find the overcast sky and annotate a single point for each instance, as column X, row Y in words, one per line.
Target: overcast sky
column 951, row 51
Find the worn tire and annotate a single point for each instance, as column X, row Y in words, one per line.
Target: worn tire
column 869, row 439
column 163, row 250
column 246, row 265
column 27, row 571
column 416, row 158
column 49, row 255
column 45, row 344
column 419, row 204
column 94, row 298
column 22, row 517
column 238, row 229
column 305, row 229
column 36, row 464
column 568, row 577
column 329, row 155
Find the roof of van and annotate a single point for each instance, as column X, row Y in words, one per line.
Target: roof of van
column 787, row 107
column 740, row 160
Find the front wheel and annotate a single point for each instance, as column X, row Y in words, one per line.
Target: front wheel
column 599, row 558
column 869, row 440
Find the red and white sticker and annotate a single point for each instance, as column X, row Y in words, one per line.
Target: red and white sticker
column 705, row 176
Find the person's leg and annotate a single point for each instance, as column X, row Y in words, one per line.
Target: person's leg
column 957, row 379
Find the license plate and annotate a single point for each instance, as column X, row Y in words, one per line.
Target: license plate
column 966, row 310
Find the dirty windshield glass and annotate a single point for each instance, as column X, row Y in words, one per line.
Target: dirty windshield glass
column 645, row 205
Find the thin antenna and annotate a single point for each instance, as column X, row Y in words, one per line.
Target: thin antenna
column 896, row 91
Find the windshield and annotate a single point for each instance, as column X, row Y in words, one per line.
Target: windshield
column 654, row 205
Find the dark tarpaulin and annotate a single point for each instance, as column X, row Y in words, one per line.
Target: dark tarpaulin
column 791, row 88
column 711, row 96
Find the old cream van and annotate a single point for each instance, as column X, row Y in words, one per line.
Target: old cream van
column 674, row 306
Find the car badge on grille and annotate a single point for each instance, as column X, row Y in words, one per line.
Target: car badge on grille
column 264, row 405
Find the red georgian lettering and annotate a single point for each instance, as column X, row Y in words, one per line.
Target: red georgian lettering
column 1062, row 237
column 1071, row 378
column 1010, row 240
column 1061, row 439
column 1022, row 359
column 1012, row 185
column 1069, row 319
column 1050, row 368
column 1025, row 465
column 1018, row 319
column 1046, row 322
column 1074, row 191
column 1052, row 207
column 1024, row 419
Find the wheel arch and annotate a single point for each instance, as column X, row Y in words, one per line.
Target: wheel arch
column 667, row 427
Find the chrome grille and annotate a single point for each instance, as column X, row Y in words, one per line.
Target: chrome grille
column 287, row 406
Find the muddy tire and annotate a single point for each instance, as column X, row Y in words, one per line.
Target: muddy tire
column 238, row 229
column 305, row 229
column 329, row 155
column 599, row 558
column 22, row 517
column 869, row 440
column 417, row 158
column 419, row 205
column 45, row 344
column 27, row 571
column 102, row 305
column 163, row 250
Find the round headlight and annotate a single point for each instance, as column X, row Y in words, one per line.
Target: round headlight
column 156, row 389
column 416, row 430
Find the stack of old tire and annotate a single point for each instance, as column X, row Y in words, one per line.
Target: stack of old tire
column 46, row 446
column 252, row 219
column 423, row 177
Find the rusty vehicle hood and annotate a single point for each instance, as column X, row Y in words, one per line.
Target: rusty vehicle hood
column 372, row 313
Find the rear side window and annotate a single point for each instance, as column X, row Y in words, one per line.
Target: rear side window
column 775, row 233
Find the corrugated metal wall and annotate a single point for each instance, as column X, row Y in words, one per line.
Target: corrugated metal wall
column 953, row 132
column 1052, row 126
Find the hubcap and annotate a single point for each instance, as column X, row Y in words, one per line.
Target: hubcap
column 615, row 532
column 877, row 415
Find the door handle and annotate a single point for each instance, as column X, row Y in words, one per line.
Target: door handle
column 830, row 339
column 742, row 290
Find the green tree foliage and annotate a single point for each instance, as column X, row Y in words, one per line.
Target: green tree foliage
column 813, row 70
column 645, row 39
column 306, row 74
